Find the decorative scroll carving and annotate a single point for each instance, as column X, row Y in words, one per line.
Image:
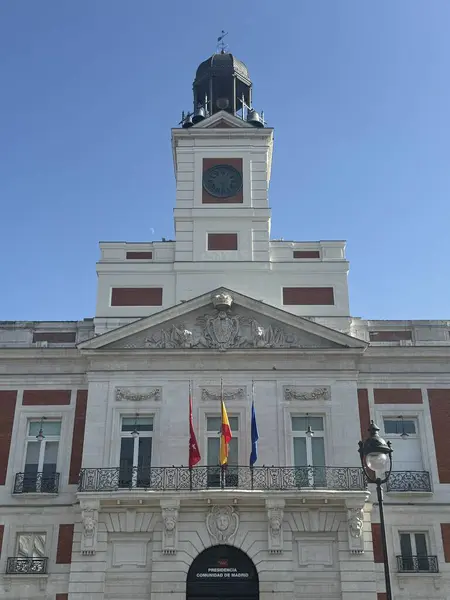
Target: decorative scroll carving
column 89, row 521
column 169, row 511
column 222, row 523
column 275, row 514
column 355, row 523
column 293, row 393
column 208, row 394
column 133, row 395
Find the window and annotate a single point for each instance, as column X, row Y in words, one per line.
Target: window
column 41, row 456
column 135, row 451
column 30, row 545
column 29, row 555
column 414, row 553
column 400, row 426
column 213, row 429
column 403, row 433
column 309, row 450
column 222, row 241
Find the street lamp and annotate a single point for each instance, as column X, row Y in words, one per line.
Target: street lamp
column 376, row 461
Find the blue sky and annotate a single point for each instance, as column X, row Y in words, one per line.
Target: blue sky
column 358, row 93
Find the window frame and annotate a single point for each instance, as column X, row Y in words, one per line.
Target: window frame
column 142, row 434
column 33, row 534
column 413, row 412
column 299, row 408
column 42, row 444
column 128, row 409
column 209, row 434
column 432, row 533
column 302, row 434
column 65, row 413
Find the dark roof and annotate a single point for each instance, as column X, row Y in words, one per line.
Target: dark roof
column 221, row 63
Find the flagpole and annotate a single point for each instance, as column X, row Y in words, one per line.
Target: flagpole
column 190, row 413
column 222, row 467
column 251, row 425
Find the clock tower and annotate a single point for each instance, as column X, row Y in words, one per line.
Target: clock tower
column 222, row 154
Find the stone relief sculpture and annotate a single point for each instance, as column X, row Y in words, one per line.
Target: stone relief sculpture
column 207, row 394
column 222, row 523
column 89, row 521
column 170, row 527
column 223, row 330
column 132, row 395
column 355, row 522
column 293, row 393
column 355, row 525
column 275, row 515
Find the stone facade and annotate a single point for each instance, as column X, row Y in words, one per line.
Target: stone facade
column 308, row 525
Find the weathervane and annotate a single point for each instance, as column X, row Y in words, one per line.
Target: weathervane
column 220, row 43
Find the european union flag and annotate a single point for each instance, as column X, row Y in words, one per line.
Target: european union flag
column 255, row 437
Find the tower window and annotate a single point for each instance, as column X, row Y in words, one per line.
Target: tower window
column 222, row 241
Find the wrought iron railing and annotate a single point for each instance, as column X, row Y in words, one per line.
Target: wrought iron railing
column 200, row 478
column 409, row 481
column 417, row 564
column 26, row 566
column 40, row 483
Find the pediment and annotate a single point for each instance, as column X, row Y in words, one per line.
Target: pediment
column 222, row 320
column 223, row 120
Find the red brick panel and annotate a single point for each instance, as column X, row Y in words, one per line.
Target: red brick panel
column 222, row 241
column 308, row 296
column 78, row 436
column 2, row 531
column 62, row 597
column 397, row 396
column 46, row 397
column 212, row 162
column 64, row 549
column 390, row 336
column 151, row 296
column 445, row 529
column 381, row 596
column 55, row 337
column 440, row 419
column 376, row 541
column 7, row 411
column 139, row 255
column 306, row 254
column 364, row 412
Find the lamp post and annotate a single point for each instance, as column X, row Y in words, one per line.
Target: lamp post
column 376, row 461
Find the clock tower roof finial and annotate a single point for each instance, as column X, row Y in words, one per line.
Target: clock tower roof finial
column 222, row 82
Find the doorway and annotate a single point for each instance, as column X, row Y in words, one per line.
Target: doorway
column 222, row 573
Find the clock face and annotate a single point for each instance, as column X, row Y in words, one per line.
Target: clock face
column 222, row 181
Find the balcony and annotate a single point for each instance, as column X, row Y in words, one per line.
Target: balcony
column 417, row 564
column 36, row 483
column 26, row 566
column 210, row 478
column 409, row 481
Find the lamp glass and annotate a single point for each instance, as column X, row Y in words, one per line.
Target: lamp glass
column 377, row 461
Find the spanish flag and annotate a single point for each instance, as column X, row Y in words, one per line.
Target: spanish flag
column 225, row 436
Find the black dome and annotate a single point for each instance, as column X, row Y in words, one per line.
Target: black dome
column 223, row 63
